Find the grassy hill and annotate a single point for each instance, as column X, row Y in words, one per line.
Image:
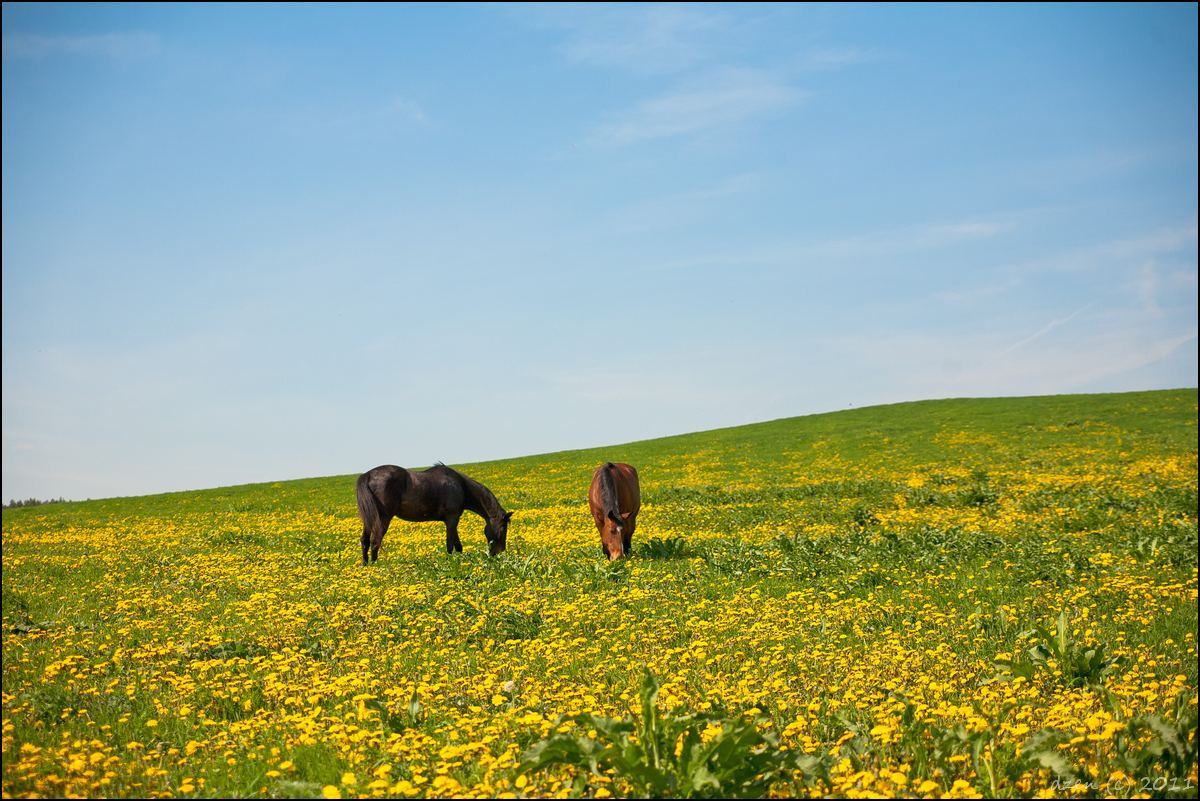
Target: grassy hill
column 875, row 584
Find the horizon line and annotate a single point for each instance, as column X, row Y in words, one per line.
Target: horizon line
column 849, row 408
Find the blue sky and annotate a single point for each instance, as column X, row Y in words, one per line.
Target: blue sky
column 253, row 243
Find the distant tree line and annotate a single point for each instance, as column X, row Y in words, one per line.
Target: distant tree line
column 32, row 502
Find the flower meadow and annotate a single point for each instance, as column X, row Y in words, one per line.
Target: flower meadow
column 943, row 599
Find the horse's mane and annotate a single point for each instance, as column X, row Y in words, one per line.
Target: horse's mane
column 481, row 494
column 608, row 491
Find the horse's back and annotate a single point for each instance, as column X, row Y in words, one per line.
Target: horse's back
column 632, row 494
column 385, row 474
column 629, row 473
column 433, row 494
column 625, row 483
column 385, row 470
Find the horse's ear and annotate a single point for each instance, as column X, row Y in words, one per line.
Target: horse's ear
column 626, row 515
column 507, row 516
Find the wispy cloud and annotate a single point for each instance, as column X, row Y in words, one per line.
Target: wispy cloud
column 1047, row 328
column 1145, row 258
column 1160, row 241
column 124, row 45
column 720, row 80
column 1073, row 366
column 643, row 39
column 976, row 293
column 835, row 58
column 731, row 97
column 1110, row 350
column 857, row 249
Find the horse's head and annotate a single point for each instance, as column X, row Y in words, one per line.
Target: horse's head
column 496, row 531
column 612, row 535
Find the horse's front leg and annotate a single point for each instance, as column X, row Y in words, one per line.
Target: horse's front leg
column 453, row 543
column 627, row 537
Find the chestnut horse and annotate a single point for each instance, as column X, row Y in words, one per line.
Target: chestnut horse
column 439, row 493
column 615, row 500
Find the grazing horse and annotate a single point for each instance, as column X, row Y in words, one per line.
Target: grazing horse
column 439, row 493
column 615, row 500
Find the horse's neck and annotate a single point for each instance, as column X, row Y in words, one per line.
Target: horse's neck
column 479, row 500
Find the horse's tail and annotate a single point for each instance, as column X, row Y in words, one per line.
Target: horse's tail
column 608, row 490
column 368, row 507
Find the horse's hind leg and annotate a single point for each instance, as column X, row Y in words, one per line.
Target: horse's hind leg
column 453, row 543
column 377, row 540
column 366, row 544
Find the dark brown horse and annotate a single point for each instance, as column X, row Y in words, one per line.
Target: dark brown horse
column 615, row 500
column 439, row 493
